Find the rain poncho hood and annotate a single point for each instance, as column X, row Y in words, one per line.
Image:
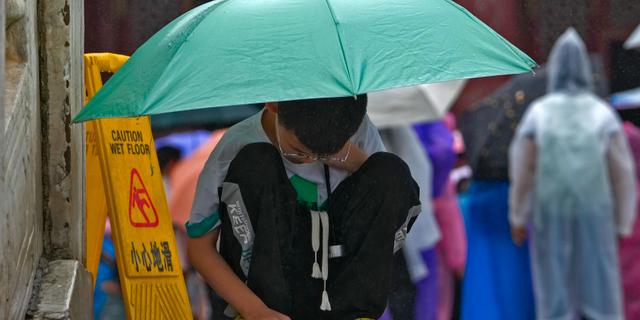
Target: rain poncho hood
column 573, row 178
column 569, row 65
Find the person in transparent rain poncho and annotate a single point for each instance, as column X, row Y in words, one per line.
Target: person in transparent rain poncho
column 573, row 178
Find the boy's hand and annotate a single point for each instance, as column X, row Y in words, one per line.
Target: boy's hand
column 215, row 270
column 519, row 235
column 266, row 314
column 353, row 162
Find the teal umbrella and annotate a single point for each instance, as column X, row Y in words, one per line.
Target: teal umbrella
column 248, row 51
column 209, row 119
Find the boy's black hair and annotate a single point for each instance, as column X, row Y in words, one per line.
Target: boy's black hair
column 323, row 125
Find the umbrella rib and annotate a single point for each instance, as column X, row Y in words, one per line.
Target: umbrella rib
column 344, row 56
column 516, row 52
column 184, row 36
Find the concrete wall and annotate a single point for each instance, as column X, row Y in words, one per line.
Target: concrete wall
column 21, row 217
column 42, row 159
column 1, row 96
column 61, row 33
column 4, row 277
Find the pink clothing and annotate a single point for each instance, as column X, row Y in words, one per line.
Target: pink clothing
column 452, row 248
column 458, row 141
column 446, row 289
column 453, row 244
column 630, row 246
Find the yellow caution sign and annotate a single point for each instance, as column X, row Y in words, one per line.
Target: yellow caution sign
column 147, row 255
column 96, row 205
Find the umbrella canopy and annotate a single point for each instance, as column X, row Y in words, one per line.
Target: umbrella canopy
column 415, row 104
column 184, row 176
column 626, row 99
column 634, row 40
column 490, row 125
column 249, row 51
column 208, row 119
column 185, row 142
column 627, row 103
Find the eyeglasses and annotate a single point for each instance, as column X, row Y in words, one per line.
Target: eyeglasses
column 307, row 156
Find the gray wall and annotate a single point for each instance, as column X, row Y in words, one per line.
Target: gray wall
column 21, row 219
column 1, row 95
column 42, row 158
column 4, row 277
column 61, row 47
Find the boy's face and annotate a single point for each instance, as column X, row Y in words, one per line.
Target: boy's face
column 296, row 152
column 290, row 146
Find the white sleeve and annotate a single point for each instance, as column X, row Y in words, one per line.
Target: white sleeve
column 368, row 138
column 204, row 212
column 522, row 159
column 622, row 176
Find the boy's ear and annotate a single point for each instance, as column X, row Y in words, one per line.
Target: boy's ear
column 272, row 106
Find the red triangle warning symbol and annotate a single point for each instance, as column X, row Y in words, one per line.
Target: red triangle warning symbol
column 142, row 212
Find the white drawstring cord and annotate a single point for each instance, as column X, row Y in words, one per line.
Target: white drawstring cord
column 315, row 243
column 324, row 218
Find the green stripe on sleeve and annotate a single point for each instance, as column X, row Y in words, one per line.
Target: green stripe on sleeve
column 199, row 229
